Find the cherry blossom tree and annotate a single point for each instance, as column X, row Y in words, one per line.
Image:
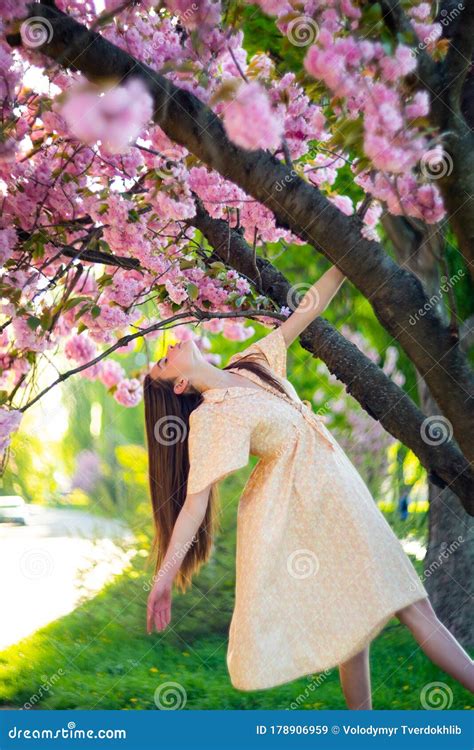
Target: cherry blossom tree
column 147, row 159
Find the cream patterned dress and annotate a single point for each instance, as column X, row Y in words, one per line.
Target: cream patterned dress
column 319, row 571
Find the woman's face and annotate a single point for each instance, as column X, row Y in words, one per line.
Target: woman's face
column 178, row 362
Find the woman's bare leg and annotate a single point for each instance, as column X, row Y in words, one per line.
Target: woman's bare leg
column 354, row 675
column 437, row 642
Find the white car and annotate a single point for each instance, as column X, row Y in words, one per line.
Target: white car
column 13, row 509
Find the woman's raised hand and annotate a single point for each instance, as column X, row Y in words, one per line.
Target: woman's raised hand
column 159, row 606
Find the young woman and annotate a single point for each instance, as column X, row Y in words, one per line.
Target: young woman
column 319, row 571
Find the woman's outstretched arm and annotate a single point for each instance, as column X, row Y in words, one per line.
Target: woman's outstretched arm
column 314, row 302
column 187, row 524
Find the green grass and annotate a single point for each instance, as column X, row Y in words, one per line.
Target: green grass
column 100, row 657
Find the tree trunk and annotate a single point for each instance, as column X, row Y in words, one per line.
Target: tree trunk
column 449, row 560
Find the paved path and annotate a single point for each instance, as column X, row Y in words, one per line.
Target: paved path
column 59, row 559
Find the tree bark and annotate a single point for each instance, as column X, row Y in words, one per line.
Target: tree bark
column 397, row 296
column 448, row 564
column 449, row 560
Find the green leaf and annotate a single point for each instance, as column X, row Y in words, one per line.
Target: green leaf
column 133, row 215
column 192, row 290
column 73, row 301
column 46, row 320
column 33, row 322
column 104, row 280
column 85, row 308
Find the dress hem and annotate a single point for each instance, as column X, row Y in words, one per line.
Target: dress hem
column 362, row 643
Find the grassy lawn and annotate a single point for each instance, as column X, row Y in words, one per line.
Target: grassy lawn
column 100, row 657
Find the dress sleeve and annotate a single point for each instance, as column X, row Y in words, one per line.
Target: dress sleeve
column 218, row 444
column 273, row 347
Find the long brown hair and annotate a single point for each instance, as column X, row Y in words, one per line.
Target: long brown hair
column 167, row 429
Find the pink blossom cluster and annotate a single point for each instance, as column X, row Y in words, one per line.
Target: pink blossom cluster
column 11, row 9
column 9, row 422
column 28, row 338
column 112, row 318
column 82, row 349
column 250, row 120
column 72, row 173
column 8, row 239
column 129, row 392
column 368, row 80
column 303, row 121
column 404, row 195
column 195, row 14
column 111, row 373
column 220, row 195
column 115, row 116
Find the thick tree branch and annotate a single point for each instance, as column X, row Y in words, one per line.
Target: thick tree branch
column 91, row 255
column 96, row 256
column 397, row 296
